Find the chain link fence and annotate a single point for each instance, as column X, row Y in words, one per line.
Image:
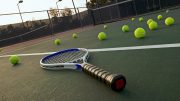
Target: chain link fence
column 127, row 8
column 38, row 24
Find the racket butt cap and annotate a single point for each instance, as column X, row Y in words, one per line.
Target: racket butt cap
column 118, row 83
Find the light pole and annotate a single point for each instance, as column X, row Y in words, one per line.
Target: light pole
column 57, row 6
column 21, row 1
column 74, row 6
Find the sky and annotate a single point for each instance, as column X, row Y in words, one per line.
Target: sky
column 10, row 6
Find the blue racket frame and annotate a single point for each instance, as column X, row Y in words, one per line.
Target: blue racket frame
column 68, row 65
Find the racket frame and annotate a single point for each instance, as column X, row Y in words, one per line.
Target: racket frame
column 67, row 65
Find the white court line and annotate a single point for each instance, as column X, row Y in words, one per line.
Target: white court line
column 137, row 47
column 111, row 49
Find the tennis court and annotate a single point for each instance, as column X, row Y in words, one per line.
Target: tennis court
column 152, row 73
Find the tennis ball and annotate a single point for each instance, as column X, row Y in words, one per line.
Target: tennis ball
column 167, row 11
column 169, row 21
column 105, row 26
column 102, row 36
column 132, row 19
column 153, row 25
column 159, row 17
column 141, row 19
column 14, row 59
column 74, row 35
column 57, row 42
column 139, row 33
column 149, row 21
column 125, row 28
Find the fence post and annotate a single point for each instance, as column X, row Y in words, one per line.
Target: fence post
column 51, row 25
column 92, row 16
column 160, row 4
column 80, row 20
column 134, row 3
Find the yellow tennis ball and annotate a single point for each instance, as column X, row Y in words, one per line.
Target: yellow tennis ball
column 14, row 59
column 169, row 21
column 159, row 17
column 105, row 26
column 57, row 42
column 153, row 25
column 125, row 28
column 167, row 11
column 75, row 35
column 139, row 33
column 102, row 36
column 141, row 19
column 149, row 21
column 132, row 19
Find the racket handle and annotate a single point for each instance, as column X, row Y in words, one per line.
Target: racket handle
column 117, row 82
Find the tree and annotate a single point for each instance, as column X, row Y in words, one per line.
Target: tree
column 66, row 12
column 10, row 28
column 3, row 30
column 29, row 24
column 35, row 24
column 53, row 12
column 96, row 3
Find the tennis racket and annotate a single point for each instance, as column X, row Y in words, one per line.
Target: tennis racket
column 77, row 59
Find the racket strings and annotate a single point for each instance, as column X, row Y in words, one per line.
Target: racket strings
column 73, row 55
column 70, row 56
column 63, row 58
column 60, row 58
column 77, row 57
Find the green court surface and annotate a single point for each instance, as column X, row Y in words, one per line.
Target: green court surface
column 152, row 74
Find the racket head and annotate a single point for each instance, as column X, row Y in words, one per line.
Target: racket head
column 65, row 59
